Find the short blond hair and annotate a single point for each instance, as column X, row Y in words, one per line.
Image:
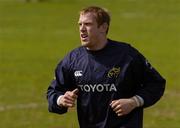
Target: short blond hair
column 102, row 15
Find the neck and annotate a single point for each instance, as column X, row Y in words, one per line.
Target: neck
column 99, row 45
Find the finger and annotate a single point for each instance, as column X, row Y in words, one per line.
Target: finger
column 120, row 114
column 118, row 111
column 69, row 101
column 72, row 96
column 114, row 104
column 68, row 105
column 69, row 97
column 75, row 91
column 111, row 103
column 117, row 107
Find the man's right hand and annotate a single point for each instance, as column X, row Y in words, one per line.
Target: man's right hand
column 68, row 99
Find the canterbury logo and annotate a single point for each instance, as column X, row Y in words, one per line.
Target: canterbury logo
column 78, row 73
column 114, row 72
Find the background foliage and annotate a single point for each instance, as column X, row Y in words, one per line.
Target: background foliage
column 35, row 35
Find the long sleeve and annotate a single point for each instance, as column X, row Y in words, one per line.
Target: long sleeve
column 61, row 83
column 52, row 96
column 151, row 83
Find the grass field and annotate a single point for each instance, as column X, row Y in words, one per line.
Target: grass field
column 34, row 36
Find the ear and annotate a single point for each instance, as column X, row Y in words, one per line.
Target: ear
column 104, row 27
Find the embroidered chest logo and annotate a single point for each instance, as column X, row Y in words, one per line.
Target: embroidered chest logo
column 114, row 72
column 78, row 73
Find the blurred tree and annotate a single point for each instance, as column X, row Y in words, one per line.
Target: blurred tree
column 36, row 0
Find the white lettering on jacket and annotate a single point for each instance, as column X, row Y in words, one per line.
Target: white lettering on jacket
column 98, row 87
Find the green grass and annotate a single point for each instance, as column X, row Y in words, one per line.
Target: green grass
column 35, row 36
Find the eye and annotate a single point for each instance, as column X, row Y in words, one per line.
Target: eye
column 80, row 24
column 88, row 24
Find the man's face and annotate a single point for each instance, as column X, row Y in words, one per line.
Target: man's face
column 89, row 30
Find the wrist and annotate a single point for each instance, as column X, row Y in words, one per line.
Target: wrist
column 59, row 101
column 134, row 104
column 138, row 101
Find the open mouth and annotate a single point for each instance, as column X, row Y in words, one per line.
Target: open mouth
column 84, row 36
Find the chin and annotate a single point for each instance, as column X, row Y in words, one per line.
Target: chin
column 85, row 44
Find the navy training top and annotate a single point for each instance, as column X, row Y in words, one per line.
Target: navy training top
column 116, row 71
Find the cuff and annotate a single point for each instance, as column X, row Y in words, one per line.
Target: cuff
column 139, row 100
column 58, row 100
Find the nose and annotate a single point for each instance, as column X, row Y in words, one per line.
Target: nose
column 82, row 27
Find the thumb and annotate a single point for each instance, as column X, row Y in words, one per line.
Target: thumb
column 75, row 91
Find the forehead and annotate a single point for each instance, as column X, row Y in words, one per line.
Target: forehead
column 87, row 17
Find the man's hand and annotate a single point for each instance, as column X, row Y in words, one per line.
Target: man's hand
column 123, row 106
column 68, row 99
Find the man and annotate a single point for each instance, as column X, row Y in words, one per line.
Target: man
column 111, row 81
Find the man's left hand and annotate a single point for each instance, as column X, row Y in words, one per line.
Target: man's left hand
column 123, row 106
